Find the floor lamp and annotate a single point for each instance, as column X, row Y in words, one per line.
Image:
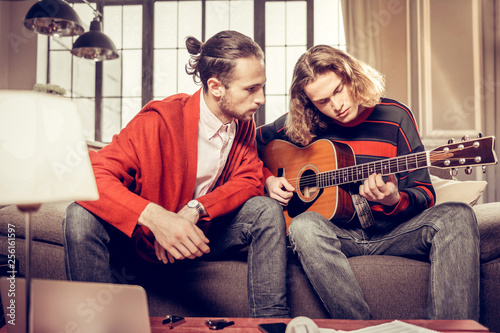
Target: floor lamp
column 44, row 158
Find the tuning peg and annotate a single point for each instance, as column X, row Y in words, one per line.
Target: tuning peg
column 453, row 172
column 451, row 141
column 479, row 135
column 468, row 170
column 484, row 168
column 465, row 138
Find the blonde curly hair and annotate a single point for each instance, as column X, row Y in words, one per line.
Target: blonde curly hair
column 304, row 119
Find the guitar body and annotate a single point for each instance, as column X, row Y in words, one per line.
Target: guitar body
column 300, row 165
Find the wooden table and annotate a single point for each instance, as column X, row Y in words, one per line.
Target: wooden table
column 250, row 325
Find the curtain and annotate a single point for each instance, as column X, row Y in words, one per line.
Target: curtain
column 491, row 88
column 362, row 24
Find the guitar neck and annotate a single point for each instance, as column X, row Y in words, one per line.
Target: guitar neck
column 361, row 172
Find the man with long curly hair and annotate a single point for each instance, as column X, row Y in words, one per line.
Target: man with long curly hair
column 337, row 97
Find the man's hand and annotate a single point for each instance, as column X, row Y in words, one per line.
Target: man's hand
column 374, row 189
column 279, row 189
column 177, row 236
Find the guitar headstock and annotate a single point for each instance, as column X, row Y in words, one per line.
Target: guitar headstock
column 469, row 152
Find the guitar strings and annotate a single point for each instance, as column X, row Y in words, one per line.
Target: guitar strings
column 349, row 174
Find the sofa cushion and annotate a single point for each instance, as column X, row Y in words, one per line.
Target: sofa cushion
column 455, row 190
column 46, row 222
column 489, row 229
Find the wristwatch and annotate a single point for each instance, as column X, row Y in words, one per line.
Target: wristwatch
column 198, row 206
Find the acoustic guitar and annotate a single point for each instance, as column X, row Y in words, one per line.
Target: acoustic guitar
column 322, row 171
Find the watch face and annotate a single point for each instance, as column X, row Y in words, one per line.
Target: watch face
column 196, row 205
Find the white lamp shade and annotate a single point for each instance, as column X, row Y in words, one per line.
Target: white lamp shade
column 43, row 156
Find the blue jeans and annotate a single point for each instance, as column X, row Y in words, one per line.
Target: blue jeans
column 446, row 234
column 96, row 251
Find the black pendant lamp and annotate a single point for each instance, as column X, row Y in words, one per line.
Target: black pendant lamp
column 54, row 18
column 94, row 44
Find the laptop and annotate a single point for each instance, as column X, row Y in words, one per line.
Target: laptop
column 69, row 306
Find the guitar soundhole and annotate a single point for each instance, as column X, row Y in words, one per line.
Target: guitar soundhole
column 307, row 184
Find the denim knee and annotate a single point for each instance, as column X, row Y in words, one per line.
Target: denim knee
column 305, row 222
column 268, row 211
column 265, row 204
column 79, row 224
column 455, row 215
column 305, row 226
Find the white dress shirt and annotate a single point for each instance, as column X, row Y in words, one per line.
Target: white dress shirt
column 215, row 140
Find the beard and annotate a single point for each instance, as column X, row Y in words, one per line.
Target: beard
column 228, row 108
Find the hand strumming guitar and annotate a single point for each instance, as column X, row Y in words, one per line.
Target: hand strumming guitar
column 279, row 189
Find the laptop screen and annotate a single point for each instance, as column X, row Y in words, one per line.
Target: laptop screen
column 68, row 306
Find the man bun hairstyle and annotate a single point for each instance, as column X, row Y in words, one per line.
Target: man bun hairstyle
column 217, row 56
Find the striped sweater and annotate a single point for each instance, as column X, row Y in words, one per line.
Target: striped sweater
column 388, row 130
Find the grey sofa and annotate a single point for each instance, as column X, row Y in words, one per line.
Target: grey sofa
column 395, row 288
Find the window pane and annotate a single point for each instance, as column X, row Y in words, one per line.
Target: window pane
column 42, row 55
column 229, row 14
column 130, row 107
column 132, row 29
column 189, row 21
column 165, row 24
column 296, row 23
column 217, row 17
column 275, row 23
column 60, row 69
column 112, row 24
column 85, row 13
column 275, row 107
column 83, row 77
column 165, row 73
column 132, row 73
column 61, row 43
column 275, row 71
column 241, row 16
column 326, row 30
column 86, row 110
column 111, row 77
column 110, row 124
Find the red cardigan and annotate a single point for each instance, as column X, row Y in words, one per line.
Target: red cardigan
column 154, row 158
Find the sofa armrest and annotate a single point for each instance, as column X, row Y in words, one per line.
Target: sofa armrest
column 488, row 219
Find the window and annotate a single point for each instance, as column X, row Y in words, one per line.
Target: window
column 292, row 28
column 121, row 78
column 174, row 21
column 150, row 38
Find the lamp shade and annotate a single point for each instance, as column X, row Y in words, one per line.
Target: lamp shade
column 43, row 155
column 94, row 44
column 54, row 18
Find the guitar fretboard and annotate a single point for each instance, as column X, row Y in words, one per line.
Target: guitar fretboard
column 360, row 172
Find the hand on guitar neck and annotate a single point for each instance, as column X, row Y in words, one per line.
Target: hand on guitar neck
column 376, row 190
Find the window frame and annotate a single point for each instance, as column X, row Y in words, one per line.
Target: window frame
column 148, row 48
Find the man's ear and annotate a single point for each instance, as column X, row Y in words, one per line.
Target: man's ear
column 215, row 87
